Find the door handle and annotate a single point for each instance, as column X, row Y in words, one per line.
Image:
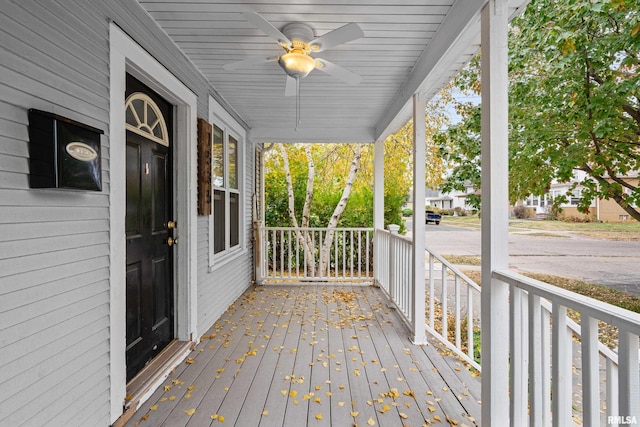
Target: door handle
column 172, row 225
column 171, row 241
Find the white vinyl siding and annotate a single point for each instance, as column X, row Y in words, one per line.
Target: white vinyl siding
column 55, row 294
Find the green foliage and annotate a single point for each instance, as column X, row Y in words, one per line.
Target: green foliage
column 574, row 103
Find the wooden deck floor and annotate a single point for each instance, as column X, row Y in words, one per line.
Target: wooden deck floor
column 313, row 355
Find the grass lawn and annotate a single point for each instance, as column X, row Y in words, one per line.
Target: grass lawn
column 596, row 230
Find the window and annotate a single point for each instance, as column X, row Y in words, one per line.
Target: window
column 226, row 223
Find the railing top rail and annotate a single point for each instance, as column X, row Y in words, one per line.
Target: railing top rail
column 317, row 228
column 395, row 236
column 453, row 269
column 625, row 319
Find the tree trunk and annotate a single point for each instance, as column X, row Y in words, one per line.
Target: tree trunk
column 342, row 204
column 303, row 238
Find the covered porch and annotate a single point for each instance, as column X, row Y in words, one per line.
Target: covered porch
column 315, row 354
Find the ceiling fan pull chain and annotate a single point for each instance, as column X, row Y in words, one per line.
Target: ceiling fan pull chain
column 298, row 118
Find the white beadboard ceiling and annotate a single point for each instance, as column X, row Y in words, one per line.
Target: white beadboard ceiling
column 409, row 46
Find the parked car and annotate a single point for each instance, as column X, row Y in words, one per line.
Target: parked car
column 431, row 216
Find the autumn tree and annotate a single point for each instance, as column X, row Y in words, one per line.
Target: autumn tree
column 574, row 102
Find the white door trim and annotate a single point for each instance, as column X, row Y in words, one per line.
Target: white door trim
column 126, row 56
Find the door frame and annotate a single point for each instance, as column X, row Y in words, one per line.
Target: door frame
column 126, row 56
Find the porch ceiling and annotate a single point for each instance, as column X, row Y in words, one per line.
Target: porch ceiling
column 409, row 46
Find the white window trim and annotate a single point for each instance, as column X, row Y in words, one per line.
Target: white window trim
column 230, row 127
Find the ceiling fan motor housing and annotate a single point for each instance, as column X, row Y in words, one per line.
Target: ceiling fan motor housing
column 298, row 31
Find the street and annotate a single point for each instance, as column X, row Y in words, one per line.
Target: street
column 612, row 263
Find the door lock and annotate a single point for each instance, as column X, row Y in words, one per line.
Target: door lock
column 172, row 225
column 171, row 241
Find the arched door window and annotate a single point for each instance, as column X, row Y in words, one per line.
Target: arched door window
column 144, row 118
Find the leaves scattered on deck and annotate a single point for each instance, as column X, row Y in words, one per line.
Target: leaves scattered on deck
column 344, row 311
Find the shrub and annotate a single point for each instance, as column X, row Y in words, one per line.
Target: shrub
column 522, row 212
column 459, row 211
column 407, row 212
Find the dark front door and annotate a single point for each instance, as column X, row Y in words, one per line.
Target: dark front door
column 150, row 295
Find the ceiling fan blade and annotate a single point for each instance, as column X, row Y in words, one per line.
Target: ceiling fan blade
column 290, row 87
column 267, row 27
column 338, row 72
column 249, row 62
column 337, row 37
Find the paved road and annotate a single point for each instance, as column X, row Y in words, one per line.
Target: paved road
column 612, row 263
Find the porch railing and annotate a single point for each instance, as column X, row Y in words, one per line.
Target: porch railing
column 393, row 254
column 293, row 255
column 558, row 367
column 560, row 371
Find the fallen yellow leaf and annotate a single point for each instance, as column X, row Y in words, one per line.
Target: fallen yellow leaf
column 371, row 422
column 293, row 393
column 437, row 418
column 190, row 411
column 341, row 404
column 265, row 412
column 317, row 400
column 190, row 360
column 318, row 416
column 403, row 416
column 354, row 414
column 154, row 408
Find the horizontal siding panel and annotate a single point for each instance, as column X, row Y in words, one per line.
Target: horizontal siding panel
column 14, row 180
column 53, row 198
column 66, row 77
column 96, row 372
column 14, row 164
column 9, row 232
column 19, row 248
column 38, row 269
column 13, row 146
column 44, row 339
column 92, row 401
column 11, row 128
column 94, row 412
column 12, row 214
column 65, row 95
column 42, row 315
column 57, row 39
column 48, row 297
column 63, row 372
column 30, row 363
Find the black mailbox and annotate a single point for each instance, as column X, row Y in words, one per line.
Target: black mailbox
column 63, row 153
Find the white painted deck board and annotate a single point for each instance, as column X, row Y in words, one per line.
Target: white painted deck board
column 311, row 339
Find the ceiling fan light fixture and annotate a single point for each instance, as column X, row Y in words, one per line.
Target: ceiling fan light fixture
column 296, row 64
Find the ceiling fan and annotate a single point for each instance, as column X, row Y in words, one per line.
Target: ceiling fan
column 299, row 42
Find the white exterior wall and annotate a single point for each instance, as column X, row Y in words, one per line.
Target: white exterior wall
column 55, row 266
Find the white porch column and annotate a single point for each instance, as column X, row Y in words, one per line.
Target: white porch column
column 378, row 186
column 495, row 215
column 419, row 171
